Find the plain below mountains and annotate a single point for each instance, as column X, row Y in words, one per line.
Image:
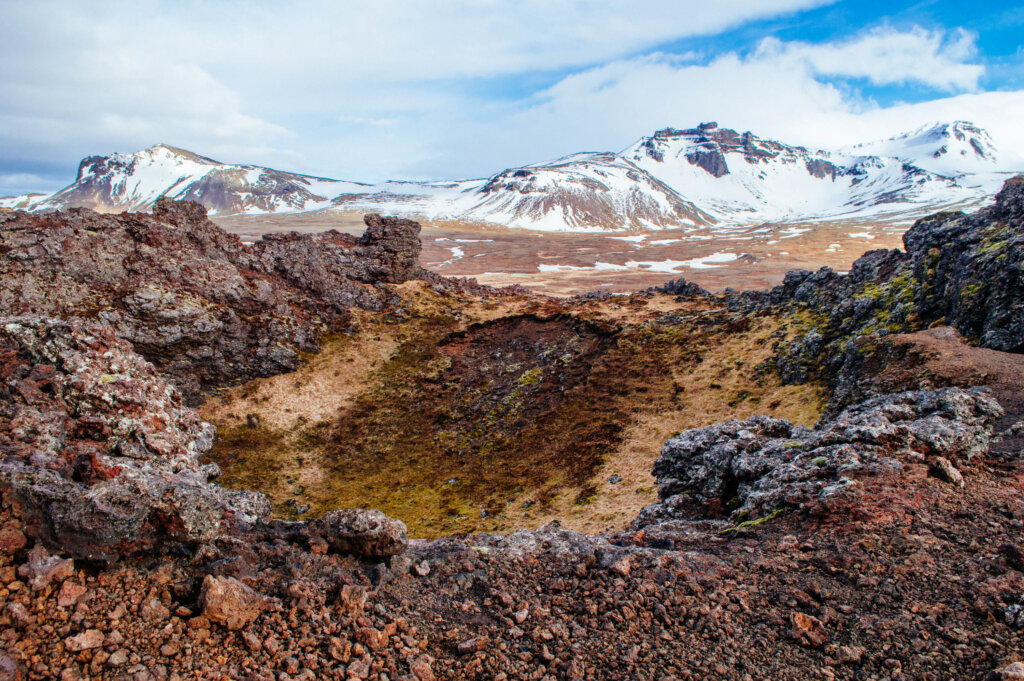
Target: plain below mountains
column 696, row 178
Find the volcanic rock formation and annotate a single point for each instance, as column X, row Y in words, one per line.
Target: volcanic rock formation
column 205, row 308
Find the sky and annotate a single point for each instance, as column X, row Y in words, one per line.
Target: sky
column 370, row 90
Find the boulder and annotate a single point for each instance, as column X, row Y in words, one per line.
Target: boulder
column 760, row 465
column 229, row 602
column 42, row 569
column 361, row 532
column 99, row 450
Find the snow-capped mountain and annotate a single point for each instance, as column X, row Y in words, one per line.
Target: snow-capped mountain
column 583, row 192
column 744, row 178
column 948, row 149
column 673, row 179
column 135, row 181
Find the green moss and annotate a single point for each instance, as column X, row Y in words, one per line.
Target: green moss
column 530, row 377
column 747, row 526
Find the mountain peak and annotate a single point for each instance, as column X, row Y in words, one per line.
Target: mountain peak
column 179, row 152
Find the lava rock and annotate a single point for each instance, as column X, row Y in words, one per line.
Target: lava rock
column 229, row 602
column 361, row 532
column 763, row 464
column 101, row 451
column 205, row 308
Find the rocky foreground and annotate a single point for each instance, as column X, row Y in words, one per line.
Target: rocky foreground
column 883, row 543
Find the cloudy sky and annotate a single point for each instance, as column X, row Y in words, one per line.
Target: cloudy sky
column 405, row 89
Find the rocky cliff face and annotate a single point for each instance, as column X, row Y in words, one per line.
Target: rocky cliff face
column 202, row 306
column 958, row 270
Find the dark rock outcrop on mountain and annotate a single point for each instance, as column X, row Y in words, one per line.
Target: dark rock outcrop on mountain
column 202, row 306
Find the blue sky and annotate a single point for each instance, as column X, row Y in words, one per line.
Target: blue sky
column 370, row 90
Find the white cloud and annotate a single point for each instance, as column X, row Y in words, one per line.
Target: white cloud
column 369, row 90
column 297, row 84
column 885, row 56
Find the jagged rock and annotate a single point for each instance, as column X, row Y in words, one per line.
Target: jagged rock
column 100, row 451
column 43, row 569
column 1011, row 672
column 944, row 470
column 681, row 287
column 229, row 602
column 395, row 248
column 762, row 464
column 10, row 668
column 194, row 300
column 361, row 532
column 12, row 540
column 967, row 268
column 808, row 629
column 88, row 639
column 352, row 599
column 959, row 270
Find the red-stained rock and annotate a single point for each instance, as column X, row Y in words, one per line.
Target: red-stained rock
column 808, row 629
column 229, row 602
column 193, row 299
column 43, row 569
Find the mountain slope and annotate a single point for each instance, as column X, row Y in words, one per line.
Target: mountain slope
column 583, row 192
column 744, row 178
column 135, row 181
column 698, row 177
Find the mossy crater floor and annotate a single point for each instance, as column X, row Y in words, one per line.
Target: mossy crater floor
column 462, row 414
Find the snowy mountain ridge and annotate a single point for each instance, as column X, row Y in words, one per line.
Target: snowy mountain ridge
column 675, row 178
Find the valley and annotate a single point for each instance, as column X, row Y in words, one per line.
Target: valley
column 565, row 264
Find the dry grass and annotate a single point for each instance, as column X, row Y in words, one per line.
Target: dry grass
column 374, row 419
column 716, row 389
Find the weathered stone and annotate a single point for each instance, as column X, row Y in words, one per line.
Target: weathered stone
column 42, row 569
column 372, row 638
column 10, row 668
column 352, row 599
column 1011, row 672
column 944, row 470
column 90, row 638
column 224, row 311
column 767, row 464
column 808, row 629
column 12, row 540
column 421, row 668
column 105, row 461
column 70, row 592
column 229, row 602
column 470, row 646
column 361, row 532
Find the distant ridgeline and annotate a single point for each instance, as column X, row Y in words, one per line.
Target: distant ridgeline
column 700, row 177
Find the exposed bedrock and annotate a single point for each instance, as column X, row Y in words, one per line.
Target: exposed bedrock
column 102, row 456
column 958, row 270
column 747, row 469
column 201, row 305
